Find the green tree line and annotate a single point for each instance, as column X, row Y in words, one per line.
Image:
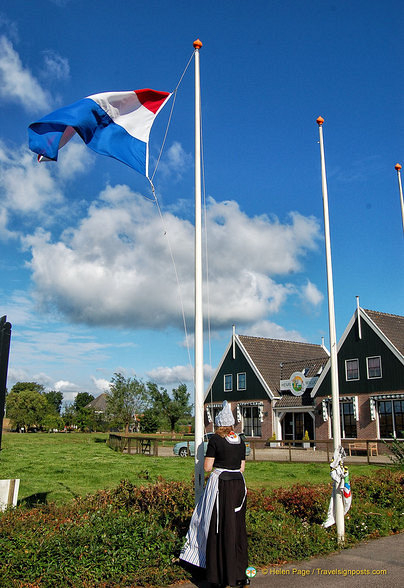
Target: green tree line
column 130, row 404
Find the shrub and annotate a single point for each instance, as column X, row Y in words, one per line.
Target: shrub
column 132, row 536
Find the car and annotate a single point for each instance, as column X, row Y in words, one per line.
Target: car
column 186, row 448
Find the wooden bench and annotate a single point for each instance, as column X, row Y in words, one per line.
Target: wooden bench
column 361, row 446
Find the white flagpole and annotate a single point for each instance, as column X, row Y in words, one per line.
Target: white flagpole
column 198, row 367
column 400, row 187
column 336, row 430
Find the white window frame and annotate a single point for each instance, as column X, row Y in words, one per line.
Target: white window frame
column 367, row 367
column 231, row 382
column 245, row 381
column 346, row 370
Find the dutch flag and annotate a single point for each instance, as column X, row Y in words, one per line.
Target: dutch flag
column 116, row 124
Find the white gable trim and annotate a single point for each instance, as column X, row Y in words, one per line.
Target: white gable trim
column 251, row 363
column 351, row 323
column 267, row 389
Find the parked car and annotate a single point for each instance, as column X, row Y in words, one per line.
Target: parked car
column 181, row 448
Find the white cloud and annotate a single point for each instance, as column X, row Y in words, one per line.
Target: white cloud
column 312, row 294
column 65, row 386
column 175, row 161
column 17, row 83
column 176, row 375
column 55, row 65
column 26, row 186
column 114, row 268
column 101, row 384
column 75, row 158
column 271, row 330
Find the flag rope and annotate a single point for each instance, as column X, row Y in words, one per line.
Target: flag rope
column 170, row 116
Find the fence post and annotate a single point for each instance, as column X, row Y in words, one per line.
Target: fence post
column 5, row 336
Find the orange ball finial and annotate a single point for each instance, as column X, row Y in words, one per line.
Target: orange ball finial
column 320, row 121
column 198, row 44
column 397, row 167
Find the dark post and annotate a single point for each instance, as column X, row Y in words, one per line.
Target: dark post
column 5, row 336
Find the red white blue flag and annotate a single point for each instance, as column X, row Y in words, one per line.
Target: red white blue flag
column 116, row 124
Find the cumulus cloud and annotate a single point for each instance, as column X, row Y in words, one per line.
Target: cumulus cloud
column 312, row 294
column 271, row 330
column 101, row 384
column 65, row 386
column 114, row 268
column 17, row 83
column 32, row 191
column 27, row 187
column 176, row 375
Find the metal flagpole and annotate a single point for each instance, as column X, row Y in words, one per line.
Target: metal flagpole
column 400, row 187
column 336, row 430
column 198, row 367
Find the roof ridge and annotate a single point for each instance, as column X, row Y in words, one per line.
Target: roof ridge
column 282, row 340
column 383, row 313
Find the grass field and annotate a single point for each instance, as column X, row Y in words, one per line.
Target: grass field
column 59, row 467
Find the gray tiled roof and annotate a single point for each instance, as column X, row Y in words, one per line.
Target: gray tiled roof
column 269, row 354
column 391, row 325
column 99, row 404
column 288, row 400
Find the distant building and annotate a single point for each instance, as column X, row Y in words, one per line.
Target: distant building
column 99, row 404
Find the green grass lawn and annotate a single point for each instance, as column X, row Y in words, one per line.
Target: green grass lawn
column 59, row 467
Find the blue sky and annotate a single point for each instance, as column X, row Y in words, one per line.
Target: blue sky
column 86, row 276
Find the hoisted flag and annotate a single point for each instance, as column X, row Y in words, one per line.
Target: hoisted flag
column 340, row 476
column 116, row 124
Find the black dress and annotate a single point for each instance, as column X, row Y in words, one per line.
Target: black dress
column 226, row 549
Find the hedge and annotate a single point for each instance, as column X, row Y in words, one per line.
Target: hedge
column 132, row 536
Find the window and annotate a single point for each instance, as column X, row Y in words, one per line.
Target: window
column 348, row 422
column 347, row 419
column 352, row 369
column 228, row 382
column 374, row 365
column 391, row 418
column 251, row 421
column 241, row 381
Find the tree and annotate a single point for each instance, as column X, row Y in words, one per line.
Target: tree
column 125, row 399
column 149, row 421
column 55, row 400
column 175, row 407
column 19, row 386
column 81, row 400
column 26, row 408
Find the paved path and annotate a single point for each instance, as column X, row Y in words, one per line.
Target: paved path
column 378, row 563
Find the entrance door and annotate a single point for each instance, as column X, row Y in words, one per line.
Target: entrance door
column 294, row 425
column 251, row 421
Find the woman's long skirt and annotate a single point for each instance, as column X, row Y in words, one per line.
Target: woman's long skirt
column 226, row 550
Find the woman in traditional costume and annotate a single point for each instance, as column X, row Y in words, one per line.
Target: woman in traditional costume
column 217, row 537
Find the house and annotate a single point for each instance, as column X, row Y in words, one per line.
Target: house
column 370, row 377
column 99, row 404
column 268, row 383
column 284, row 387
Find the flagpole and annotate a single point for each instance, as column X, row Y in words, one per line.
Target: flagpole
column 198, row 367
column 400, row 187
column 336, row 429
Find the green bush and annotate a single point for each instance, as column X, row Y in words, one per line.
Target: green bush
column 132, row 536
